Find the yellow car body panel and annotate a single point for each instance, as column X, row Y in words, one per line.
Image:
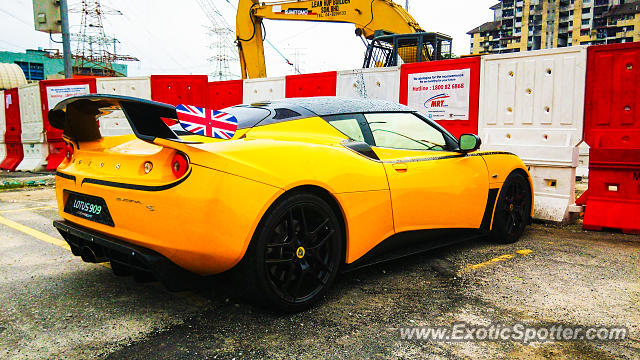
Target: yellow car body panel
column 445, row 193
column 272, row 153
column 205, row 220
column 369, row 221
column 279, row 165
column 154, row 220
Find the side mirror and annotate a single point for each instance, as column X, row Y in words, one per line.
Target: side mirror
column 469, row 142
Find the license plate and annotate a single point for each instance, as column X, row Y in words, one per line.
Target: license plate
column 88, row 207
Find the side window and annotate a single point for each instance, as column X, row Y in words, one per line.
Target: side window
column 348, row 125
column 404, row 131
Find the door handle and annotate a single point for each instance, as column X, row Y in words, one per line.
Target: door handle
column 400, row 167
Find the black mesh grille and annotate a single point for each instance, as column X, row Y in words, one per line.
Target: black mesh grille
column 393, row 50
column 380, row 55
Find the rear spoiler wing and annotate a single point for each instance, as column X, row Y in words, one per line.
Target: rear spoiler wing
column 76, row 117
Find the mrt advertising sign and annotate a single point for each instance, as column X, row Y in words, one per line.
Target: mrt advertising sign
column 440, row 95
column 55, row 94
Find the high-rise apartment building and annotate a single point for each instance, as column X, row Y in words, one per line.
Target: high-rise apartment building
column 521, row 25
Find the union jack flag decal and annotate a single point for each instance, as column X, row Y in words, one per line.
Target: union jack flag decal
column 205, row 122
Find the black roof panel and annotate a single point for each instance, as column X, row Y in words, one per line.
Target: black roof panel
column 297, row 108
column 329, row 105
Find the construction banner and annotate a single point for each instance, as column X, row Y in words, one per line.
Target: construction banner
column 55, row 94
column 440, row 95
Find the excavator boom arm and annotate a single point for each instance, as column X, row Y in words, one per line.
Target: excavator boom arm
column 368, row 16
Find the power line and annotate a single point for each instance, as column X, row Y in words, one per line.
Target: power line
column 16, row 18
column 166, row 52
column 18, row 47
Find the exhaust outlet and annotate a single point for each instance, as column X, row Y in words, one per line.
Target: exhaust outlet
column 88, row 254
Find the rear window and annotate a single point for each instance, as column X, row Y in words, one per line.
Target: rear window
column 348, row 125
column 248, row 116
column 113, row 121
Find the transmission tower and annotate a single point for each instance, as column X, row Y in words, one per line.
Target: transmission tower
column 95, row 51
column 223, row 42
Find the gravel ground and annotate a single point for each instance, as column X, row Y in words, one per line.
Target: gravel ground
column 54, row 306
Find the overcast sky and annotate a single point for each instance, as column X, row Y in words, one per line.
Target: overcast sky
column 170, row 37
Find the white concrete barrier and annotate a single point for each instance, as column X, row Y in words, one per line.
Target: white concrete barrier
column 3, row 151
column 256, row 90
column 31, row 114
column 139, row 87
column 3, row 118
column 583, row 160
column 375, row 83
column 532, row 104
column 114, row 124
column 35, row 157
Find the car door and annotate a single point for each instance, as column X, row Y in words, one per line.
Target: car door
column 431, row 186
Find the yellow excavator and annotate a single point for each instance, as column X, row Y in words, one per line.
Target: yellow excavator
column 393, row 35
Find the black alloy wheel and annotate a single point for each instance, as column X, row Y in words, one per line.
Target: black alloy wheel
column 513, row 209
column 297, row 252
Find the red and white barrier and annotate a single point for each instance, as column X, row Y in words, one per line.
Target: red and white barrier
column 13, row 143
column 180, row 89
column 532, row 104
column 311, row 85
column 3, row 128
column 612, row 130
column 51, row 93
column 529, row 103
column 222, row 94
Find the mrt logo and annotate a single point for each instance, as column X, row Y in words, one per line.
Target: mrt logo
column 436, row 101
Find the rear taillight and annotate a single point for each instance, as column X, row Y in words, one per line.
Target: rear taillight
column 68, row 151
column 179, row 164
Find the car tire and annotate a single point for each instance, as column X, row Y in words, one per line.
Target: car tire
column 513, row 210
column 295, row 253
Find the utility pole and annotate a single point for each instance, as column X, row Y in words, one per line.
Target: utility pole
column 406, row 7
column 66, row 40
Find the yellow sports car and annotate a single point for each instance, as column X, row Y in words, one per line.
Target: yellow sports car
column 287, row 193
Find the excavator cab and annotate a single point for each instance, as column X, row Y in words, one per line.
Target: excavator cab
column 395, row 49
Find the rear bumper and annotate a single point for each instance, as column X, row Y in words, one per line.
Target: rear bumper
column 125, row 258
column 203, row 225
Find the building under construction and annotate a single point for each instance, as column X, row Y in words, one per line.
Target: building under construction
column 538, row 24
column 48, row 64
